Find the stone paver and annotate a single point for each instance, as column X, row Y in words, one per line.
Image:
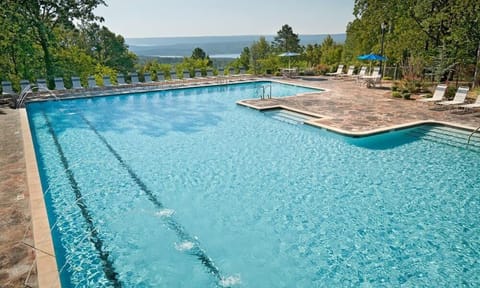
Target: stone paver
column 345, row 106
column 16, row 254
column 354, row 108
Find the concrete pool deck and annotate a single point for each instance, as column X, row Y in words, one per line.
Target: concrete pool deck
column 344, row 107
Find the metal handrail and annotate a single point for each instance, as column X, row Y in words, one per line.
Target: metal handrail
column 471, row 134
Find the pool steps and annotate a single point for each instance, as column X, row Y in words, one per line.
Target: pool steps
column 287, row 116
column 448, row 136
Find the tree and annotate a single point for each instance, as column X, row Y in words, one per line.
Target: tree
column 44, row 16
column 18, row 55
column 245, row 58
column 313, row 54
column 198, row 53
column 445, row 33
column 331, row 52
column 286, row 40
column 258, row 51
column 107, row 48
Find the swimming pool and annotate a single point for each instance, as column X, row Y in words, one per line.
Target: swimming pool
column 183, row 188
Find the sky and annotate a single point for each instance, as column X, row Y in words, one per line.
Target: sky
column 175, row 18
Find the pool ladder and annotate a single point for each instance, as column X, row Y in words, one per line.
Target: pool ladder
column 266, row 92
column 471, row 134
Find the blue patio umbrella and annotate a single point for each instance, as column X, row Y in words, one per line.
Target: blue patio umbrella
column 371, row 57
column 288, row 54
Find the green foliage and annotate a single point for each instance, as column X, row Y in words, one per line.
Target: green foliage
column 101, row 70
column 153, row 67
column 269, row 64
column 43, row 39
column 396, row 94
column 258, row 51
column 286, row 40
column 106, row 48
column 322, row 69
column 445, row 34
column 313, row 54
column 40, row 19
column 198, row 53
column 331, row 52
column 244, row 59
column 75, row 62
column 395, row 86
column 406, row 95
column 450, row 93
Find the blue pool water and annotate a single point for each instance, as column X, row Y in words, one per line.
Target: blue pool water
column 184, row 188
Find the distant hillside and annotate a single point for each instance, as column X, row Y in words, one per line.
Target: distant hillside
column 212, row 45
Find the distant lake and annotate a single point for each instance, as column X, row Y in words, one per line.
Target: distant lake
column 214, row 46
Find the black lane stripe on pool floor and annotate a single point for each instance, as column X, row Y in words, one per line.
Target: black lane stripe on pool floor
column 172, row 224
column 107, row 264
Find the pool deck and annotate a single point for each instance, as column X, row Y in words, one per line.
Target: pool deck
column 350, row 108
column 345, row 107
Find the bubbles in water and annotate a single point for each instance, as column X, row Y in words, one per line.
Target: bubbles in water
column 230, row 281
column 165, row 212
column 184, row 246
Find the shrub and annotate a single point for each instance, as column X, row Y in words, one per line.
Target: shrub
column 322, row 69
column 450, row 93
column 406, row 95
column 396, row 94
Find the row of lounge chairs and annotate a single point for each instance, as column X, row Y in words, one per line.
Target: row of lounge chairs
column 362, row 77
column 458, row 100
column 134, row 80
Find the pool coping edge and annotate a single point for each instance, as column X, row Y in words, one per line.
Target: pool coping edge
column 47, row 269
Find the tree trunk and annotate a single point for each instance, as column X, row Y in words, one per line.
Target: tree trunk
column 47, row 57
column 477, row 63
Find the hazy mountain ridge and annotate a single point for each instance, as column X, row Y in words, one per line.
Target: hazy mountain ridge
column 212, row 45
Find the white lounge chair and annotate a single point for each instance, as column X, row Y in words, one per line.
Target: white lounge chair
column 221, row 75
column 106, row 81
column 7, row 88
column 349, row 73
column 459, row 98
column 42, row 83
column 147, row 78
column 474, row 105
column 134, row 78
column 76, row 84
column 338, row 73
column 173, row 78
column 92, row 83
column 373, row 79
column 210, row 74
column 186, row 76
column 437, row 94
column 24, row 84
column 160, row 77
column 243, row 73
column 59, row 85
column 231, row 73
column 361, row 73
column 121, row 79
